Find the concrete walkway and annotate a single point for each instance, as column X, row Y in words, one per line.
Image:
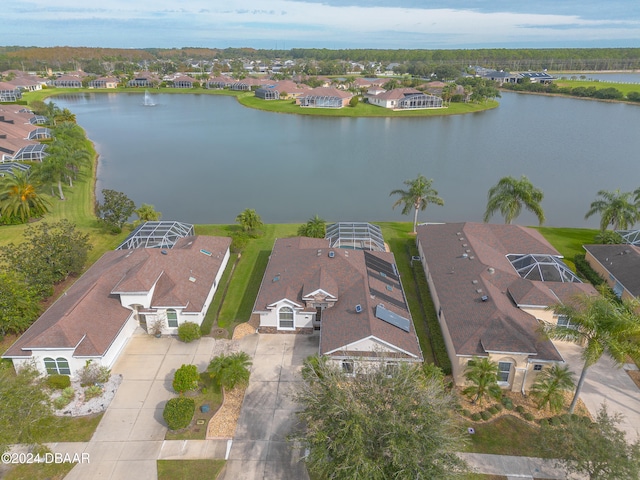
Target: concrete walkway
column 608, row 383
column 513, row 467
column 260, row 448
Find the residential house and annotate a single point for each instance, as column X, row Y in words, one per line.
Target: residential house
column 123, row 290
column 405, row 99
column 324, row 97
column 9, row 92
column 491, row 286
column 183, row 81
column 618, row 265
column 69, row 81
column 353, row 298
column 144, row 80
column 104, row 82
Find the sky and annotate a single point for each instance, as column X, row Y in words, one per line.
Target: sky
column 333, row 24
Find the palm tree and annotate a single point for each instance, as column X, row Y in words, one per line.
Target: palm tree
column 550, row 385
column 616, row 209
column 509, row 195
column 19, row 197
column 314, row 228
column 417, row 197
column 483, row 375
column 599, row 324
column 230, row 370
column 249, row 220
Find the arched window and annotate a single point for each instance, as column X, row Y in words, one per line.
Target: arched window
column 285, row 317
column 172, row 318
column 58, row 366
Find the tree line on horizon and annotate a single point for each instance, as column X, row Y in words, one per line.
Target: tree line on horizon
column 72, row 58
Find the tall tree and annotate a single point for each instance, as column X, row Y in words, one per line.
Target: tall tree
column 616, row 209
column 482, row 376
column 600, row 324
column 19, row 303
column 416, row 197
column 597, row 450
column 549, row 387
column 249, row 220
column 19, row 197
column 314, row 228
column 116, row 209
column 508, row 197
column 147, row 213
column 377, row 426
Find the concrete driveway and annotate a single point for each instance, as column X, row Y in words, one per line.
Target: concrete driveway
column 260, row 449
column 130, row 437
column 608, row 383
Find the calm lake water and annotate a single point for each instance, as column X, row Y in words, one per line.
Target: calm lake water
column 204, row 158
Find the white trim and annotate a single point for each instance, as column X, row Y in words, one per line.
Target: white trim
column 345, row 348
column 319, row 290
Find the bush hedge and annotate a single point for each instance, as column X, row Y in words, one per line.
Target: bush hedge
column 189, row 331
column 186, row 378
column 586, row 271
column 178, row 412
column 58, row 382
column 475, row 417
column 485, row 415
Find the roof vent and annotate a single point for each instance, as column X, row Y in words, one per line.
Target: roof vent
column 206, row 252
column 479, row 290
column 491, row 270
column 164, row 252
column 465, row 255
column 358, row 308
column 192, row 279
column 332, row 254
column 319, row 252
column 276, row 278
column 484, row 298
column 474, row 282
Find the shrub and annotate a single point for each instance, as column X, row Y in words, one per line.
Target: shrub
column 93, row 373
column 508, row 404
column 178, row 412
column 186, row 378
column 584, row 269
column 498, row 407
column 61, row 402
column 493, row 409
column 189, row 331
column 92, row 391
column 239, row 241
column 485, row 414
column 528, row 416
column 475, row 417
column 555, row 421
column 565, row 418
column 520, row 409
column 58, row 382
column 466, row 413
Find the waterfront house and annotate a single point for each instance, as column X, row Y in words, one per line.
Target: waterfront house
column 618, row 265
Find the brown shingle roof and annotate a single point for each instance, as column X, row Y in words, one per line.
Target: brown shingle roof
column 621, row 261
column 299, row 264
column 468, row 261
column 88, row 317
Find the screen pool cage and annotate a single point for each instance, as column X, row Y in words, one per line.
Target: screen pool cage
column 420, row 101
column 321, row 101
column 31, row 152
column 268, row 94
column 355, row 236
column 542, row 267
column 160, row 234
column 630, row 237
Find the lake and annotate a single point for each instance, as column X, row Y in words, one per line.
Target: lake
column 205, row 158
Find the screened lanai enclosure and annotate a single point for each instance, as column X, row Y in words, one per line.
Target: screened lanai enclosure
column 31, row 152
column 543, row 267
column 160, row 234
column 419, row 101
column 355, row 236
column 630, row 237
column 321, row 101
column 268, row 94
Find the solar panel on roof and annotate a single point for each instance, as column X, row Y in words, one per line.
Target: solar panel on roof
column 392, row 318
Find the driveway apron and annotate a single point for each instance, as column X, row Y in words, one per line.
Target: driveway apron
column 260, row 448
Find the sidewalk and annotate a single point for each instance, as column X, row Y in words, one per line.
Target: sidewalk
column 513, row 467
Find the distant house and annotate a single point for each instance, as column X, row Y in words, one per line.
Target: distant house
column 9, row 92
column 219, row 82
column 324, row 97
column 268, row 93
column 618, row 265
column 123, row 290
column 144, row 80
column 68, row 81
column 353, row 298
column 183, row 81
column 405, row 99
column 104, row 82
column 537, row 77
column 491, row 286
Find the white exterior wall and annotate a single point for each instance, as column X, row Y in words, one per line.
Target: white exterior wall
column 300, row 319
column 144, row 299
column 118, row 344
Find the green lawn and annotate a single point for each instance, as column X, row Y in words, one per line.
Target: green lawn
column 67, row 429
column 623, row 87
column 189, row 469
column 568, row 241
column 361, row 110
column 506, row 435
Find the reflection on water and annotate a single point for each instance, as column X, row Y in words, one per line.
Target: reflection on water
column 203, row 159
